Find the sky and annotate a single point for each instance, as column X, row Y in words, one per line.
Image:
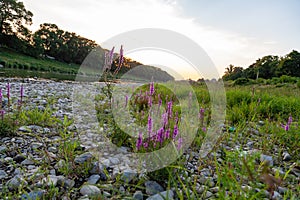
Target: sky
column 229, row 31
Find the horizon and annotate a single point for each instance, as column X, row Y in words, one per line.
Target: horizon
column 247, row 33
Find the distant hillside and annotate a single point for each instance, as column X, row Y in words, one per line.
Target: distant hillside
column 14, row 64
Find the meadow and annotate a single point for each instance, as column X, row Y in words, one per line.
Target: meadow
column 256, row 155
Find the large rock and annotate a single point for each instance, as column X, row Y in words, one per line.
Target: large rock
column 83, row 158
column 152, row 187
column 90, row 190
column 16, row 182
column 162, row 196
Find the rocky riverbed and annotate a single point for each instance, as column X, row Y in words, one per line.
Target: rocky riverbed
column 35, row 164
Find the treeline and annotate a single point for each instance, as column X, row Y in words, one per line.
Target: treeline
column 267, row 67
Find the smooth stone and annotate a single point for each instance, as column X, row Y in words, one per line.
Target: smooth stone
column 90, row 190
column 162, row 196
column 286, row 156
column 36, row 145
column 152, row 187
column 3, row 174
column 52, row 149
column 282, row 190
column 3, row 149
column 138, row 195
column 114, row 161
column 128, row 175
column 267, row 159
column 276, row 196
column 52, row 180
column 27, row 162
column 208, row 194
column 16, row 182
column 35, row 195
column 66, row 183
column 93, row 179
column 83, row 158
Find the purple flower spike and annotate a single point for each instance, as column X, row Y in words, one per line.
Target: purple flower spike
column 8, row 91
column 201, row 113
column 126, row 100
column 175, row 131
column 139, row 141
column 151, row 90
column 149, row 126
column 169, row 110
column 1, row 96
column 286, row 128
column 111, row 56
column 164, row 119
column 167, row 134
column 290, row 120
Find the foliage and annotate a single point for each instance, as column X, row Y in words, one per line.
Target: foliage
column 267, row 67
column 13, row 16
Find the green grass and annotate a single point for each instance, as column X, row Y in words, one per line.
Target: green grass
column 20, row 65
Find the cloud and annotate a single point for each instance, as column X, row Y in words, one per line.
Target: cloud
column 101, row 19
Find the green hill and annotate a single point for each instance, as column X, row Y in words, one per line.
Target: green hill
column 15, row 64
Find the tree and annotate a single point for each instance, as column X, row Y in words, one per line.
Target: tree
column 13, row 15
column 233, row 73
column 290, row 64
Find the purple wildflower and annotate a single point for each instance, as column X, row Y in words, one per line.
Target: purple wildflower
column 160, row 137
column 149, row 126
column 121, row 60
column 175, row 131
column 8, row 92
column 204, row 129
column 1, row 96
column 146, row 145
column 290, row 120
column 111, row 55
column 151, row 90
column 139, row 141
column 164, row 119
column 201, row 113
column 126, row 100
column 167, row 134
column 169, row 109
column 150, row 101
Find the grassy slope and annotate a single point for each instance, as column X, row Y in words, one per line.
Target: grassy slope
column 20, row 65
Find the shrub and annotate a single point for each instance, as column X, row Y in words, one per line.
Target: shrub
column 242, row 81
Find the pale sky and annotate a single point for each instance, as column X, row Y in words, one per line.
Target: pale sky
column 230, row 31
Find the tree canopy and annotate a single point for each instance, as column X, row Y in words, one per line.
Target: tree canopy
column 267, row 67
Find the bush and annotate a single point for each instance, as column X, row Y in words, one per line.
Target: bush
column 242, row 81
column 288, row 79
